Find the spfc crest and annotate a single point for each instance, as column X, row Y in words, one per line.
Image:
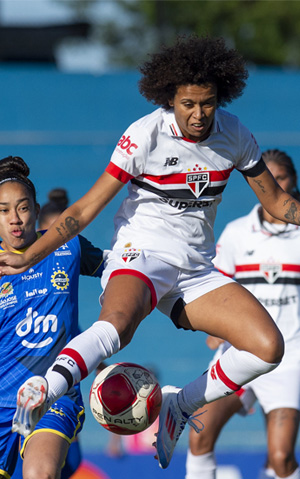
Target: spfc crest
column 197, row 182
column 270, row 271
column 130, row 255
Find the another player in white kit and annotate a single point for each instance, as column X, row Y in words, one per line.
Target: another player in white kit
column 263, row 255
column 176, row 162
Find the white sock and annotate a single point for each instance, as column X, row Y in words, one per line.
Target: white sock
column 203, row 466
column 80, row 357
column 295, row 475
column 267, row 473
column 231, row 371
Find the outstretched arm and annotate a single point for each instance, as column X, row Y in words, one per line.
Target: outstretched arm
column 277, row 202
column 73, row 220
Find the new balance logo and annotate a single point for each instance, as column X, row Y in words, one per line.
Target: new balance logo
column 171, row 161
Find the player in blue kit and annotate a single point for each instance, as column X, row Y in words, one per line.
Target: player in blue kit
column 39, row 315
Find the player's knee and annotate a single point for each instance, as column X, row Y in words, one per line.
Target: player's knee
column 283, row 462
column 272, row 347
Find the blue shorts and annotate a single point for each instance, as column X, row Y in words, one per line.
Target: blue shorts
column 64, row 418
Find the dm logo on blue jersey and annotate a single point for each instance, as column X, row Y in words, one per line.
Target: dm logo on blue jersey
column 32, row 326
column 60, row 280
column 197, row 182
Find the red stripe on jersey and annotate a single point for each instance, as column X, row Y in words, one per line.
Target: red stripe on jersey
column 118, row 173
column 225, row 379
column 141, row 276
column 295, row 268
column 174, row 129
column 226, row 274
column 291, row 267
column 188, row 140
column 247, row 267
column 180, row 178
column 78, row 359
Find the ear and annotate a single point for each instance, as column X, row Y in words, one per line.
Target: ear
column 171, row 103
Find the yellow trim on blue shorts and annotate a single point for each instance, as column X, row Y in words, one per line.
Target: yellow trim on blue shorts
column 79, row 423
column 54, row 431
column 5, row 474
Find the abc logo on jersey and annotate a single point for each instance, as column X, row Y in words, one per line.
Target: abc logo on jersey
column 126, row 144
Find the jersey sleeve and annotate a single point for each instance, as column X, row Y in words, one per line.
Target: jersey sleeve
column 224, row 260
column 129, row 157
column 250, row 162
column 91, row 260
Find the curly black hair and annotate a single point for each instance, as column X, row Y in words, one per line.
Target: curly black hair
column 193, row 60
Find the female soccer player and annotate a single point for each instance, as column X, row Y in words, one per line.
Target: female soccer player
column 39, row 315
column 177, row 162
column 263, row 255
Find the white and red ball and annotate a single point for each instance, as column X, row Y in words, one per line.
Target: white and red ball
column 125, row 398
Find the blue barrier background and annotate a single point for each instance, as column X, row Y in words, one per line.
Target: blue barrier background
column 65, row 126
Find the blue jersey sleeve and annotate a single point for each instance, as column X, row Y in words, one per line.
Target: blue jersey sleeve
column 91, row 261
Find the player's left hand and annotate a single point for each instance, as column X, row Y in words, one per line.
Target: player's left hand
column 12, row 263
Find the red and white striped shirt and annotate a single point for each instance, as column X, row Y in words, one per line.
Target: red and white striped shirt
column 175, row 185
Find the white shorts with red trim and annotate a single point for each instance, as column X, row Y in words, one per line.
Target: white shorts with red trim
column 167, row 283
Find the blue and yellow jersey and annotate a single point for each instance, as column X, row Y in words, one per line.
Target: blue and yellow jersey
column 39, row 313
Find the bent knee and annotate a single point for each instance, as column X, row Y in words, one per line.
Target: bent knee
column 272, row 347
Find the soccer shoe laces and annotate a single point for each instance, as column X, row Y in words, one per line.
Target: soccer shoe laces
column 193, row 422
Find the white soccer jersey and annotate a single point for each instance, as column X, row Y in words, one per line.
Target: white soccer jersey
column 266, row 260
column 175, row 185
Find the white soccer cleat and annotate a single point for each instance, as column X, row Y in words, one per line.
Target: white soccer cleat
column 172, row 421
column 31, row 405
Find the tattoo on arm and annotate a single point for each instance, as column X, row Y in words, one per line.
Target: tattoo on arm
column 291, row 213
column 68, row 229
column 72, row 225
column 36, row 258
column 260, row 184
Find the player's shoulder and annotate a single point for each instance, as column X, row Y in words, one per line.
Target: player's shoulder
column 243, row 223
column 224, row 116
column 151, row 121
column 227, row 121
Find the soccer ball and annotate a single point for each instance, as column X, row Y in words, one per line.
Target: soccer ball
column 125, row 398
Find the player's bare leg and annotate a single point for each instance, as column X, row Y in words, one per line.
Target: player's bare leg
column 200, row 458
column 282, row 430
column 127, row 302
column 44, row 456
